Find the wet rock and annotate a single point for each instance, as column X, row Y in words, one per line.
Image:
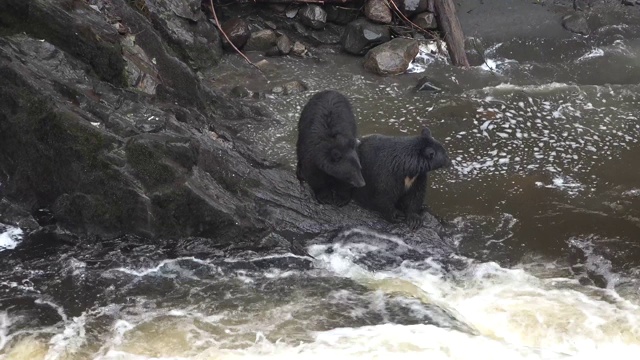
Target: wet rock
column 313, row 16
column 271, row 25
column 298, row 49
column 341, row 15
column 576, row 23
column 361, row 35
column 140, row 71
column 185, row 26
column 629, row 2
column 425, row 84
column 262, row 40
column 412, row 7
column 426, row 20
column 241, row 92
column 284, row 44
column 294, row 87
column 377, row 11
column 274, row 51
column 238, row 32
column 391, row 58
column 293, row 12
column 329, row 36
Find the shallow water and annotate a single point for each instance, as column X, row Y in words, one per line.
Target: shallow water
column 544, row 196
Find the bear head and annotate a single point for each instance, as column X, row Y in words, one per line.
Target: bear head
column 433, row 152
column 341, row 161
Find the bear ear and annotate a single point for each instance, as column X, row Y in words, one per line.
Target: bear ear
column 426, row 133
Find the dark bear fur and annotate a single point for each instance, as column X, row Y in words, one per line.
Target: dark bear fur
column 395, row 170
column 326, row 148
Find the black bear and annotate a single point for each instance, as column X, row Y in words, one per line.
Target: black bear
column 326, row 148
column 395, row 171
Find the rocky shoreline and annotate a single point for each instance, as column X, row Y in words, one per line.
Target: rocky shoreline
column 109, row 124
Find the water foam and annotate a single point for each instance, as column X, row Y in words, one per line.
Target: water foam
column 10, row 237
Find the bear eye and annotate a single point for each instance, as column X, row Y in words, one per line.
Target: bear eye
column 429, row 153
column 335, row 155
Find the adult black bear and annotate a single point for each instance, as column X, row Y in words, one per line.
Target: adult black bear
column 326, row 148
column 395, row 170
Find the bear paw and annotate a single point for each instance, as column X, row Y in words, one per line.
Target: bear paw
column 341, row 199
column 414, row 221
column 324, row 197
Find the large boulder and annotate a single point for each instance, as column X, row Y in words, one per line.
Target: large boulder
column 378, row 11
column 391, row 58
column 576, row 23
column 262, row 40
column 361, row 35
column 238, row 32
column 313, row 16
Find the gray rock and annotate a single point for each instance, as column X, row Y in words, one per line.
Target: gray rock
column 341, row 15
column 576, row 23
column 238, row 32
column 313, row 16
column 361, row 35
column 241, row 92
column 426, row 20
column 412, row 7
column 425, row 84
column 294, row 87
column 378, row 11
column 284, row 44
column 330, row 35
column 262, row 40
column 391, row 58
column 188, row 29
column 298, row 49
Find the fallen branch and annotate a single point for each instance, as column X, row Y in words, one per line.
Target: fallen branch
column 215, row 18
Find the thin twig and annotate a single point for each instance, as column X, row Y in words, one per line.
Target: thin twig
column 215, row 18
column 428, row 32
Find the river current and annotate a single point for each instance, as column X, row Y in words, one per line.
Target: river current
column 543, row 201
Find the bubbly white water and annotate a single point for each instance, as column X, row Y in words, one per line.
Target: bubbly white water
column 519, row 313
column 9, row 237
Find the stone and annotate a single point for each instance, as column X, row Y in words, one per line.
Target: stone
column 238, row 32
column 425, row 84
column 294, row 87
column 412, row 7
column 391, row 58
column 313, row 16
column 426, row 20
column 241, row 92
column 629, row 2
column 576, row 23
column 262, row 40
column 341, row 15
column 361, row 35
column 298, row 49
column 378, row 11
column 284, row 44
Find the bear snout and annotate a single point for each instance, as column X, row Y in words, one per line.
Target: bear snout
column 358, row 181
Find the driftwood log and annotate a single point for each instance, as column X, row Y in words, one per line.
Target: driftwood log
column 453, row 36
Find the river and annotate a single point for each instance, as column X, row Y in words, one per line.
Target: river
column 542, row 203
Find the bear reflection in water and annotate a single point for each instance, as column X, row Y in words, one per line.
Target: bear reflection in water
column 395, row 170
column 326, row 148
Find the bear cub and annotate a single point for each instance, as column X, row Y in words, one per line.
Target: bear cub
column 395, row 170
column 326, row 148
